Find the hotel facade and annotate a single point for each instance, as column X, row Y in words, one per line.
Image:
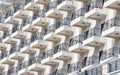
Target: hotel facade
column 59, row 37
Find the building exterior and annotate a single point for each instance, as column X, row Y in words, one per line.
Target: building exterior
column 59, row 37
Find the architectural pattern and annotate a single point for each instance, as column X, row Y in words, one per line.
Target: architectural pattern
column 59, row 37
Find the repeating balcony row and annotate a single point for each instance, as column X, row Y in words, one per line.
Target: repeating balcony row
column 73, row 41
column 67, row 22
column 112, row 66
column 87, row 34
column 107, row 54
column 53, row 5
column 47, row 53
column 87, row 61
column 114, row 22
column 64, row 21
column 71, row 67
column 93, row 71
column 79, row 39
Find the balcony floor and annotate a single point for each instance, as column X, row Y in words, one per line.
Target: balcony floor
column 94, row 41
column 49, row 61
column 62, row 55
column 66, row 6
column 36, row 67
column 96, row 14
column 113, row 4
column 78, row 48
column 80, row 22
column 112, row 32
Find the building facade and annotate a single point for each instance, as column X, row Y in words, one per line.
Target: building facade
column 59, row 37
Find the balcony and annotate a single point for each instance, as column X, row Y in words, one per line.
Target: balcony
column 87, row 62
column 19, row 35
column 4, row 5
column 29, row 5
column 109, row 54
column 78, row 19
column 15, row 54
column 25, row 47
column 2, row 67
column 63, row 27
column 74, row 67
column 5, row 60
column 65, row 5
column 23, row 69
column 28, row 50
column 38, row 42
column 10, row 40
column 96, row 11
column 41, row 21
column 52, row 11
column 44, row 2
column 30, row 28
column 111, row 28
column 112, row 4
column 4, row 27
column 76, row 44
column 113, row 67
column 61, row 52
column 47, row 58
column 23, row 14
column 50, row 35
column 92, row 37
column 13, row 20
column 3, row 47
column 35, row 64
